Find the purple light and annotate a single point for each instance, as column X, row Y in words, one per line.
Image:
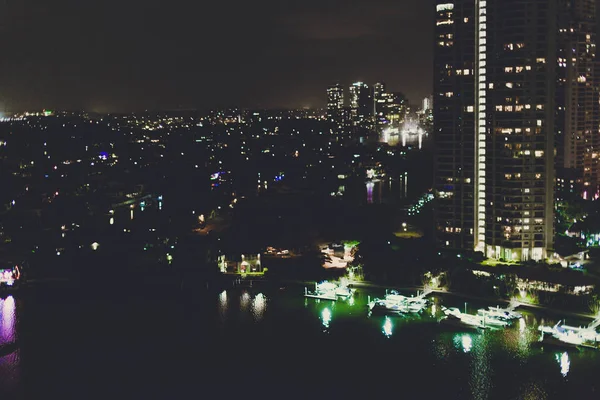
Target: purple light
column 370, row 186
column 7, row 322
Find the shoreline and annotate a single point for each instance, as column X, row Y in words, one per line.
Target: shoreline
column 479, row 298
column 225, row 282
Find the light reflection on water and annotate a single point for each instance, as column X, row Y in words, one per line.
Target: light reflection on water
column 467, row 343
column 259, row 305
column 244, row 301
column 254, row 304
column 370, row 186
column 9, row 363
column 564, row 362
column 326, row 317
column 223, row 305
column 387, row 327
column 481, row 369
column 7, row 329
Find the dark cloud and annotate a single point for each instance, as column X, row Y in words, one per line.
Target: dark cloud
column 133, row 54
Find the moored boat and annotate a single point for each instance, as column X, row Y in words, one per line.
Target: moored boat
column 329, row 291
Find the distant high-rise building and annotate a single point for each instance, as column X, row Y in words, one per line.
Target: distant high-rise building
column 395, row 108
column 427, row 103
column 495, row 121
column 379, row 98
column 579, row 150
column 361, row 104
column 335, row 105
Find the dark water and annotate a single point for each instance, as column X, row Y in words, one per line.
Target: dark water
column 270, row 344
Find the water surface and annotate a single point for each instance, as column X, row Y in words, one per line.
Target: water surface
column 270, row 343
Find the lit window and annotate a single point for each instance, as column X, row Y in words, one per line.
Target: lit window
column 509, row 85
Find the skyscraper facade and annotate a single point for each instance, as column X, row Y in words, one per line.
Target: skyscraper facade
column 454, row 124
column 335, row 105
column 379, row 98
column 361, row 104
column 579, row 152
column 427, row 103
column 495, row 122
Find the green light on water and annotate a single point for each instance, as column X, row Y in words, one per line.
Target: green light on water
column 387, row 327
column 326, row 317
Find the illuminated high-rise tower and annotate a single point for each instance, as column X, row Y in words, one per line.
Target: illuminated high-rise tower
column 427, row 103
column 335, row 105
column 379, row 97
column 361, row 104
column 496, row 95
column 579, row 147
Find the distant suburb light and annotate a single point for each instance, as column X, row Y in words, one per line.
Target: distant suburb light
column 95, row 246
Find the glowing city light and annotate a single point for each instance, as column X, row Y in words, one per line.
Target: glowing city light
column 259, row 305
column 387, row 327
column 326, row 317
column 467, row 343
column 370, row 186
column 564, row 362
column 244, row 301
column 7, row 328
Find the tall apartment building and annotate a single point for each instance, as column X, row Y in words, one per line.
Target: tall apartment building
column 361, row 104
column 335, row 105
column 495, row 123
column 578, row 151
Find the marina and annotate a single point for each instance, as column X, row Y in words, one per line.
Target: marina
column 216, row 330
column 562, row 335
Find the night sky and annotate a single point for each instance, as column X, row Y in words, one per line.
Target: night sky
column 126, row 55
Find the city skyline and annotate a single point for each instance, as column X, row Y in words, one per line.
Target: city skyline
column 157, row 56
